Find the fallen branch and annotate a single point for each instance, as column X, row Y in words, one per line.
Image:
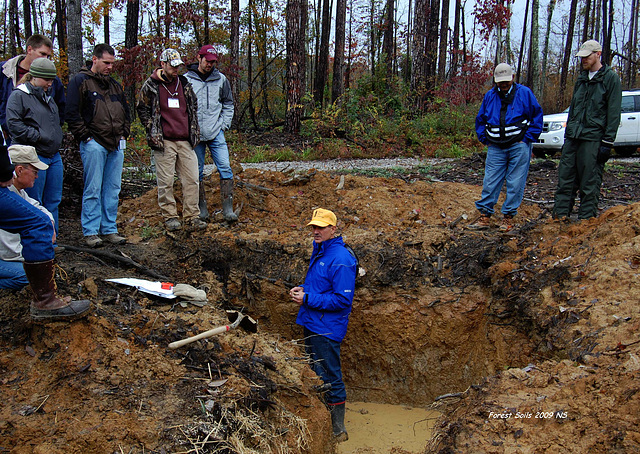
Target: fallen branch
column 119, row 258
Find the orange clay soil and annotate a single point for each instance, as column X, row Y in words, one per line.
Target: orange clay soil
column 540, row 321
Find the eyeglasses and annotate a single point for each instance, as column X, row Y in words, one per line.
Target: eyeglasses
column 33, row 169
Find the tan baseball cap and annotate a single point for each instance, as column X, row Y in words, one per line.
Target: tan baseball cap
column 26, row 154
column 503, row 73
column 323, row 218
column 589, row 47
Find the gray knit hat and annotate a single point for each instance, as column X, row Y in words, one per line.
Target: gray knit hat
column 43, row 68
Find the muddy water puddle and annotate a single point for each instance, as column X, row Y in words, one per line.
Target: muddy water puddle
column 378, row 428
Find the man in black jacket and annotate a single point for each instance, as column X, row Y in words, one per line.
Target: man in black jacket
column 592, row 125
column 98, row 116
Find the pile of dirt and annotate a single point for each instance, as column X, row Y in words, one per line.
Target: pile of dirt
column 539, row 320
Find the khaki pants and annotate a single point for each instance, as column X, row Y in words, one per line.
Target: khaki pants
column 177, row 156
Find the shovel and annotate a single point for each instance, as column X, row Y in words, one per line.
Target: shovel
column 237, row 319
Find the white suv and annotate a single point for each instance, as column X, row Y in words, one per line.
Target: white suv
column 627, row 139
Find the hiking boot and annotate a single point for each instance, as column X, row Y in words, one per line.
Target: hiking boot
column 93, row 241
column 46, row 304
column 114, row 238
column 173, row 224
column 483, row 222
column 506, row 224
column 197, row 224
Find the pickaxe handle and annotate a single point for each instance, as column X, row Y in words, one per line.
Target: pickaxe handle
column 211, row 332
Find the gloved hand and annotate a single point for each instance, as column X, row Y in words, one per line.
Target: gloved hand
column 604, row 153
column 189, row 293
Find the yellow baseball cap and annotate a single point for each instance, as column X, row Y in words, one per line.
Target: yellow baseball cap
column 323, row 218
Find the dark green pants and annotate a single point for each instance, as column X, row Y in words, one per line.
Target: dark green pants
column 580, row 173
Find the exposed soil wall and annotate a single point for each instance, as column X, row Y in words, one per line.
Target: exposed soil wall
column 438, row 310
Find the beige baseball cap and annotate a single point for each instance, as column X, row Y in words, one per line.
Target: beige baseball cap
column 503, row 73
column 589, row 47
column 26, row 154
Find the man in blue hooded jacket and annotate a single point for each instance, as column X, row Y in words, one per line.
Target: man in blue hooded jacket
column 325, row 301
column 509, row 122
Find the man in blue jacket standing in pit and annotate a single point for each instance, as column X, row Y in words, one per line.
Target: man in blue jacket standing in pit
column 509, row 121
column 325, row 301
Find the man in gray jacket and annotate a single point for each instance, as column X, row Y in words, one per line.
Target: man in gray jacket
column 215, row 112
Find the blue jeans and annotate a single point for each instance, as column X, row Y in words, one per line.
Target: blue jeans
column 325, row 362
column 510, row 164
column 34, row 227
column 12, row 275
column 219, row 153
column 48, row 186
column 102, row 181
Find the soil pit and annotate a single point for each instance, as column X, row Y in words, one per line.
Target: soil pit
column 540, row 319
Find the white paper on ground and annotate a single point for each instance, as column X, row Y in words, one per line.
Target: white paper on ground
column 154, row 288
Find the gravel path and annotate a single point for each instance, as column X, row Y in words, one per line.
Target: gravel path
column 335, row 164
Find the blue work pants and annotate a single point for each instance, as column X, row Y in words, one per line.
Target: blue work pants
column 48, row 186
column 219, row 154
column 102, row 182
column 325, row 362
column 12, row 275
column 510, row 165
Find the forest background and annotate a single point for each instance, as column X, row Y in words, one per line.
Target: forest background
column 354, row 77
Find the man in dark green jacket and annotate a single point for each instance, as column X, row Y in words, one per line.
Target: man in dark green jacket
column 592, row 125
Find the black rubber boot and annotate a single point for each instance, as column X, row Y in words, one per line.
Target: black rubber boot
column 226, row 192
column 46, row 304
column 337, row 421
column 202, row 203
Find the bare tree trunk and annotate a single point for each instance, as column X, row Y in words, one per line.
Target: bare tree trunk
column 347, row 72
column 167, row 18
column 564, row 73
column 235, row 57
column 444, row 41
column 322, row 67
column 337, row 87
column 545, row 52
column 420, row 65
column 107, row 32
column 387, row 37
column 252, row 110
column 61, row 23
column 296, row 22
column 524, row 38
column 607, row 31
column 36, row 26
column 630, row 62
column 205, row 13
column 26, row 9
column 373, row 35
column 74, row 32
column 432, row 43
column 158, row 26
column 455, row 57
column 131, row 41
column 533, row 73
column 13, row 27
column 586, row 16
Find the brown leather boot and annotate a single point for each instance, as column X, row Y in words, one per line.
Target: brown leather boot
column 46, row 304
column 226, row 191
